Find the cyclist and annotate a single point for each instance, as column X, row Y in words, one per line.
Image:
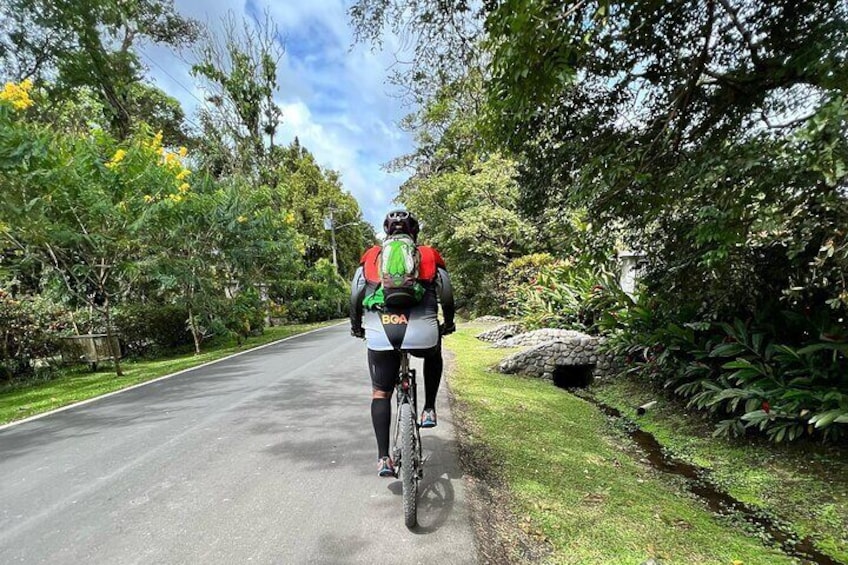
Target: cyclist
column 388, row 330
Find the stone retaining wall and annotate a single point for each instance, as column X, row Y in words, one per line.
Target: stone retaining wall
column 503, row 331
column 537, row 337
column 487, row 320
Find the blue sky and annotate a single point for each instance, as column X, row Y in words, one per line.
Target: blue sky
column 333, row 94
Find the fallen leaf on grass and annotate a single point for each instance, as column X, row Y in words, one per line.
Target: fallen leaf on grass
column 594, row 498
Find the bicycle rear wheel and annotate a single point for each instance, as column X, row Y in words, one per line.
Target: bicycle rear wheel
column 409, row 465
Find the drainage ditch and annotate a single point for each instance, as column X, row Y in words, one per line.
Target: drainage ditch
column 697, row 483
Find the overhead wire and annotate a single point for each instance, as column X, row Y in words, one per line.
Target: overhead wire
column 180, row 84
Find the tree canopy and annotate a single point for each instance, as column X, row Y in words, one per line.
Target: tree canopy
column 91, row 43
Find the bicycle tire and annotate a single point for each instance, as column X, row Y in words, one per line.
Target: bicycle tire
column 408, row 466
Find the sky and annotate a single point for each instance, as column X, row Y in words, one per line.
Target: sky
column 333, row 94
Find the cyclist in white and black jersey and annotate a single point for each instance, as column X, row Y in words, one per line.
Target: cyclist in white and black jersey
column 390, row 330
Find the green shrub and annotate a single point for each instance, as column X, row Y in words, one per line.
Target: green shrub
column 148, row 328
column 785, row 374
column 549, row 292
column 244, row 315
column 28, row 332
column 319, row 295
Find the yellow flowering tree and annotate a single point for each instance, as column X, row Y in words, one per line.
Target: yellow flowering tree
column 76, row 203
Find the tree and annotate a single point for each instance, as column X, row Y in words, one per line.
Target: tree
column 240, row 76
column 182, row 239
column 446, row 129
column 211, row 243
column 694, row 127
column 445, row 38
column 721, row 154
column 472, row 217
column 80, row 109
column 75, row 204
column 307, row 193
column 89, row 44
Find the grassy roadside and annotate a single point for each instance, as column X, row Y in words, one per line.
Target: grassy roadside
column 806, row 485
column 78, row 383
column 586, row 498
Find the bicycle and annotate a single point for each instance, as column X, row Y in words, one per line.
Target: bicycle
column 406, row 448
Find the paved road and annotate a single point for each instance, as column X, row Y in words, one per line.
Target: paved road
column 268, row 457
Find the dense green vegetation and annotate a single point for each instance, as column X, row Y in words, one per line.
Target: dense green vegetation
column 708, row 136
column 119, row 218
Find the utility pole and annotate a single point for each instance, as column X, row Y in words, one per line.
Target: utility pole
column 332, row 223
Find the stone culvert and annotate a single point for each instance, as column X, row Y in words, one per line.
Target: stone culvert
column 500, row 332
column 572, row 360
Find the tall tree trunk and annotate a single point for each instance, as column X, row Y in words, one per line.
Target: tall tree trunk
column 114, row 348
column 74, row 323
column 195, row 332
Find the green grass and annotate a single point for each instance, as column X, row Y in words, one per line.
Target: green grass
column 576, row 478
column 77, row 383
column 803, row 484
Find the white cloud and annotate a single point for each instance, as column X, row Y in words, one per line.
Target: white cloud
column 334, row 98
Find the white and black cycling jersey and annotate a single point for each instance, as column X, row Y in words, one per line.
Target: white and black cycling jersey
column 409, row 329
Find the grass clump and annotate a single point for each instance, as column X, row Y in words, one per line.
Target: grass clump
column 574, row 481
column 77, row 383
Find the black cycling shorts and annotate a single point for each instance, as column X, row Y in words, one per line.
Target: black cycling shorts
column 385, row 365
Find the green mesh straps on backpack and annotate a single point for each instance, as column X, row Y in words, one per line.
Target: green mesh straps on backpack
column 375, row 300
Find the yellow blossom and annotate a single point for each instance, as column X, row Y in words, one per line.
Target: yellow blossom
column 17, row 94
column 116, row 158
column 183, row 174
column 183, row 152
column 290, row 218
column 156, row 142
column 184, row 187
column 241, row 219
column 148, row 198
column 176, row 197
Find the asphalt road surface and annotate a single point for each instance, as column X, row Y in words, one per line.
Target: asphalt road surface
column 268, row 457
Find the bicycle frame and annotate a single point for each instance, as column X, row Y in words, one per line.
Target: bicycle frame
column 407, row 450
column 406, row 392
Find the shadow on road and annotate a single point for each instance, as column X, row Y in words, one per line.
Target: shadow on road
column 436, row 497
column 149, row 405
column 436, row 500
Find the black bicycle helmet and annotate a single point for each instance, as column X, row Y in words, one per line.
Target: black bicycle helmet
column 401, row 221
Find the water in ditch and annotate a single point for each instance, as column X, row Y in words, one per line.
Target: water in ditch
column 718, row 501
